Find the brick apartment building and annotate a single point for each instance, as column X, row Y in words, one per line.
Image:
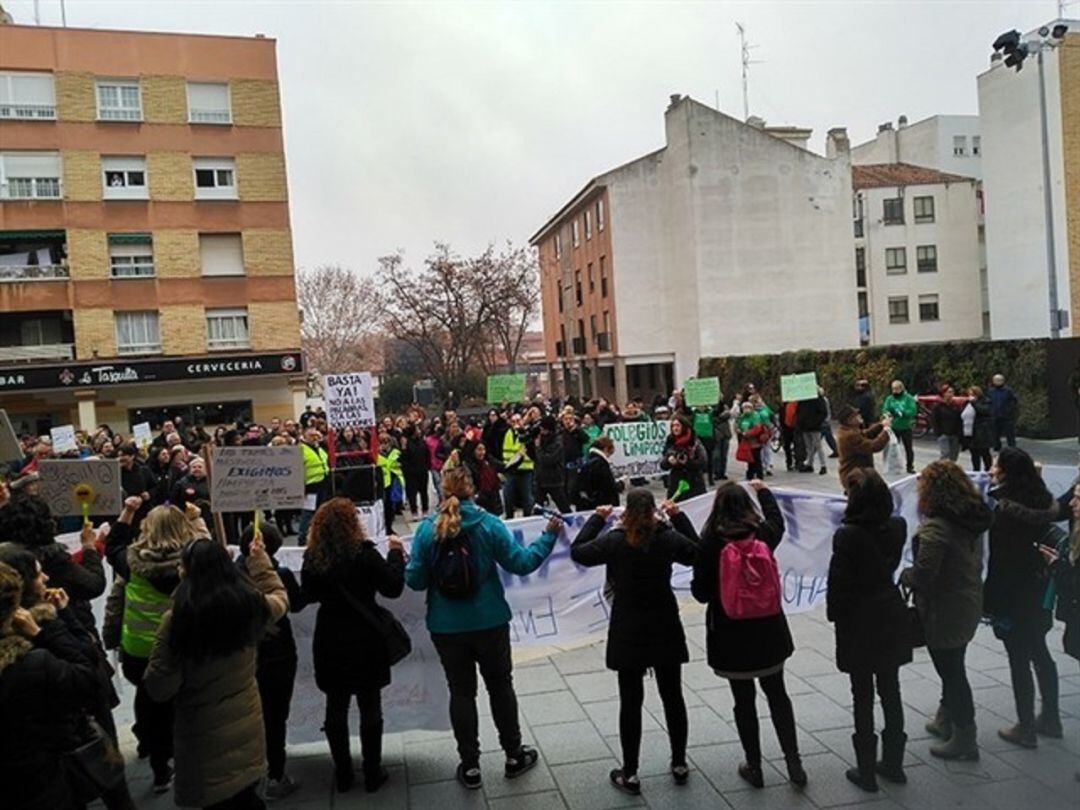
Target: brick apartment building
column 146, row 263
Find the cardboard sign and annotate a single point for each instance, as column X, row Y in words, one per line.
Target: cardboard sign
column 68, row 484
column 144, row 437
column 10, row 449
column 797, row 387
column 702, row 391
column 639, row 446
column 243, row 479
column 63, row 439
column 348, row 400
column 505, row 388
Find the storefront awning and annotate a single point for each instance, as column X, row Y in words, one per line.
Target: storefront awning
column 129, row 239
column 11, row 236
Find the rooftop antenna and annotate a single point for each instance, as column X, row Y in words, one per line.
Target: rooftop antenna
column 63, row 14
column 37, row 12
column 746, row 62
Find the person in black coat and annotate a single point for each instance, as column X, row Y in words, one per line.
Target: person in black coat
column 684, row 459
column 596, row 483
column 194, row 487
column 872, row 631
column 415, row 463
column 342, row 571
column 550, row 458
column 645, row 630
column 745, row 650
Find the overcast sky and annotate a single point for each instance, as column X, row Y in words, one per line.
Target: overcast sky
column 469, row 123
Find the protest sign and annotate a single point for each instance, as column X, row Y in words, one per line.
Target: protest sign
column 142, row 434
column 243, row 479
column 68, row 483
column 638, row 448
column 63, row 439
column 348, row 400
column 505, row 388
column 797, row 387
column 10, row 448
column 702, row 391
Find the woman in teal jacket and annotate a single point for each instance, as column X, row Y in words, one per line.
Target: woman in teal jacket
column 473, row 629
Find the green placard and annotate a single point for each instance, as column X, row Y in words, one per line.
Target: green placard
column 702, row 391
column 505, row 388
column 797, row 387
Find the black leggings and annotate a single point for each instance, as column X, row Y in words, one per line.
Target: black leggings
column 275, row 683
column 1025, row 645
column 981, row 457
column 153, row 721
column 955, row 689
column 746, row 718
column 888, row 689
column 416, row 486
column 631, row 697
column 371, row 729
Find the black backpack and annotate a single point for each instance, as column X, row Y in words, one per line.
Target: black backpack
column 453, row 567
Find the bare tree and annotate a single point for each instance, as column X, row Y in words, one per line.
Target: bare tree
column 339, row 331
column 512, row 286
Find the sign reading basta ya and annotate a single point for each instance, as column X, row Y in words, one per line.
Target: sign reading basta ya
column 348, row 400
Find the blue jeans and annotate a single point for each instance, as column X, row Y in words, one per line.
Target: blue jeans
column 719, row 457
column 518, row 492
column 436, row 481
column 305, row 520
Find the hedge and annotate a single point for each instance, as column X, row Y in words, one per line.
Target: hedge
column 923, row 368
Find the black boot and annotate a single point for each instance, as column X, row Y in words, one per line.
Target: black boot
column 375, row 775
column 891, row 766
column 338, row 740
column 1048, row 723
column 863, row 774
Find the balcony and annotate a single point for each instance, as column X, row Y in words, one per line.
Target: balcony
column 33, row 354
column 33, row 272
column 28, row 112
column 578, row 345
column 603, row 341
column 34, row 337
column 33, row 256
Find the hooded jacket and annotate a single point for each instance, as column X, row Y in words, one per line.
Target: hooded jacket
column 493, row 547
column 1016, row 572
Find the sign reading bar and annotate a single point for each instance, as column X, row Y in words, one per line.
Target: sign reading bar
column 797, row 387
column 65, row 483
column 247, row 478
column 702, row 391
column 348, row 400
column 505, row 388
column 639, row 447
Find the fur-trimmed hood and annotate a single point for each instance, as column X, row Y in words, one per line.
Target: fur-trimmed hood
column 12, row 649
column 159, row 565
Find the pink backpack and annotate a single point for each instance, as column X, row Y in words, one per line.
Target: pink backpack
column 749, row 580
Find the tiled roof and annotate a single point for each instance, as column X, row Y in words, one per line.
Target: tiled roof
column 878, row 175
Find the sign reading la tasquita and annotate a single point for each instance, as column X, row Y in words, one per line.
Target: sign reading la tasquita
column 126, row 372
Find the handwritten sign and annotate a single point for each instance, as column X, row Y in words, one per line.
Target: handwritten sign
column 63, row 439
column 70, row 486
column 247, row 478
column 638, row 448
column 348, row 400
column 144, row 437
column 10, row 449
column 797, row 387
column 505, row 388
column 702, row 391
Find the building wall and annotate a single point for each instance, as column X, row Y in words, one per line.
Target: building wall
column 1070, row 124
column 925, row 143
column 1015, row 213
column 954, row 233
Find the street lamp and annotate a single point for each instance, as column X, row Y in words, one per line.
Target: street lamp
column 1014, row 50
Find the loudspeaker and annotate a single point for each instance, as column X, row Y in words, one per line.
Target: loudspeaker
column 359, row 484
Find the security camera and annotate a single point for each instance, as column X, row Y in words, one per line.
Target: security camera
column 1044, row 31
column 1059, row 30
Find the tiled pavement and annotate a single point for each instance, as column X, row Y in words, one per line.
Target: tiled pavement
column 569, row 710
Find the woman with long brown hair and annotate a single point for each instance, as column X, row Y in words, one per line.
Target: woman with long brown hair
column 645, row 631
column 456, row 554
column 342, row 571
column 946, row 577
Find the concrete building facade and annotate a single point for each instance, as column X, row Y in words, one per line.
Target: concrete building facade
column 1012, row 165
column 145, row 248
column 948, row 143
column 916, row 255
column 730, row 240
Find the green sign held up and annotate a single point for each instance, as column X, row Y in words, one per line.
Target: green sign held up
column 505, row 388
column 702, row 391
column 798, row 387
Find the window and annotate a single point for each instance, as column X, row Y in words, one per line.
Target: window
column 577, row 287
column 600, row 214
column 560, row 294
column 928, row 307
column 864, row 305
column 215, row 178
column 603, row 277
column 607, row 321
column 592, row 327
column 926, row 258
column 893, row 211
column 558, row 245
column 124, row 178
column 227, row 329
column 976, row 145
column 860, row 267
column 137, row 333
column 959, row 145
column 575, row 236
column 222, row 254
column 561, row 348
column 30, row 175
column 208, row 103
column 898, row 309
column 588, row 224
column 895, row 261
column 592, row 280
column 28, row 96
column 118, row 100
column 131, row 256
column 924, row 209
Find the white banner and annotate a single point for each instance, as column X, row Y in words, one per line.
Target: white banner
column 348, row 400
column 243, row 479
column 638, row 448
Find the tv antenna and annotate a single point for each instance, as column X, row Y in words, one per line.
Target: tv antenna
column 745, row 49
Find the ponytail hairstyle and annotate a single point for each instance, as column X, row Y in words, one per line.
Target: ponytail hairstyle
column 639, row 517
column 457, row 484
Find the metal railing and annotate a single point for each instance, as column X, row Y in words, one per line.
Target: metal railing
column 31, row 188
column 196, row 116
column 49, row 351
column 28, row 112
column 34, row 272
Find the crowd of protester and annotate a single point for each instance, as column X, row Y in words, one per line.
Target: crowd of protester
column 202, row 631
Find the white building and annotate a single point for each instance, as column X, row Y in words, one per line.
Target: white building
column 730, row 240
column 948, row 143
column 1012, row 163
column 916, row 255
